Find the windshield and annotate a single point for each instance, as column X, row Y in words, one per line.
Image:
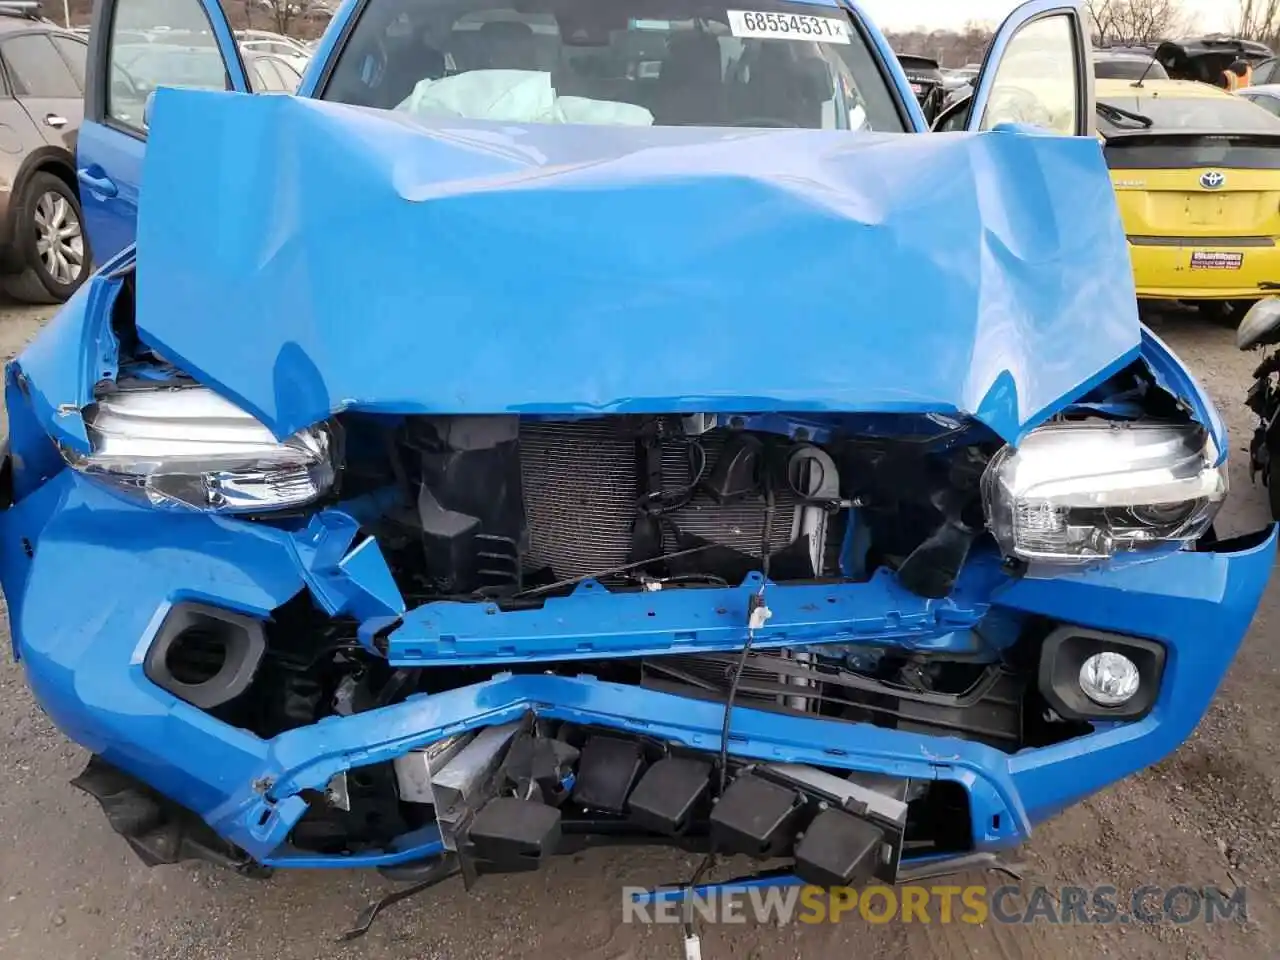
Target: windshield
column 1224, row 114
column 633, row 62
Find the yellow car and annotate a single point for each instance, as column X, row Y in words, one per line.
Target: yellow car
column 1197, row 176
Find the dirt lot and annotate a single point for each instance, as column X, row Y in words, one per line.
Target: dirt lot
column 1209, row 815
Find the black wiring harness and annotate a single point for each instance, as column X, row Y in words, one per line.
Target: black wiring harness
column 757, row 614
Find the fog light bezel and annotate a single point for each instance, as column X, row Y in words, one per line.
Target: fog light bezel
column 1063, row 655
column 245, row 645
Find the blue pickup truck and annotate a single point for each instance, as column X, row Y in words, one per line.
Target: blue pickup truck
column 608, row 420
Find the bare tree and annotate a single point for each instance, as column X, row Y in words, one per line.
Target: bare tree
column 949, row 47
column 1137, row 21
column 1260, row 20
column 284, row 14
column 245, row 10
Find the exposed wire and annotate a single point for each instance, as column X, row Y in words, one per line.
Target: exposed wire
column 754, row 618
column 657, row 583
column 332, row 650
column 757, row 603
column 662, row 502
column 612, row 572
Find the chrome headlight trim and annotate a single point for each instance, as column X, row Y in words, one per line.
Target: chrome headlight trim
column 187, row 447
column 1078, row 492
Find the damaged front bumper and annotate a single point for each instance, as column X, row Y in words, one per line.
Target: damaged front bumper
column 91, row 578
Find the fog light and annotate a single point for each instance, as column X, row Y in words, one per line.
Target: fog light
column 1109, row 679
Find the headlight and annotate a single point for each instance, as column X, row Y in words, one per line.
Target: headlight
column 188, row 447
column 1087, row 491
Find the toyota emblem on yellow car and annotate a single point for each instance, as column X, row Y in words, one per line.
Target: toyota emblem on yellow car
column 1213, row 180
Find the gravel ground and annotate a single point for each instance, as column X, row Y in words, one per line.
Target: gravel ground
column 1206, row 816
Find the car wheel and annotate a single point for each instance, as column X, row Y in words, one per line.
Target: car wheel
column 50, row 241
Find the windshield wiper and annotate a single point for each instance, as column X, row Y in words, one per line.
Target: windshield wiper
column 1122, row 117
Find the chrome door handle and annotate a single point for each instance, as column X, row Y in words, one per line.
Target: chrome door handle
column 55, row 121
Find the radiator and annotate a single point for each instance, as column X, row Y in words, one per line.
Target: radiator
column 580, row 492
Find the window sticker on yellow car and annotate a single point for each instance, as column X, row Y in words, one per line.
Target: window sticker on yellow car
column 787, row 26
column 1214, row 260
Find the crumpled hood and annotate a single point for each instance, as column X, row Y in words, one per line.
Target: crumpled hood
column 306, row 257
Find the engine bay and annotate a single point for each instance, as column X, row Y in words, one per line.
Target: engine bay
column 513, row 510
column 515, row 515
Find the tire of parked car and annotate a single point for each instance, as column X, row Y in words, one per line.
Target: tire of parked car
column 50, row 242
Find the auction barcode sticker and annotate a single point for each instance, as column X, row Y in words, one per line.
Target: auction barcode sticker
column 787, row 26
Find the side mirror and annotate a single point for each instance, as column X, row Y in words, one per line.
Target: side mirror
column 1261, row 325
column 147, row 107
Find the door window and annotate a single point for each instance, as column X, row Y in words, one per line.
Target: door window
column 75, row 52
column 36, row 69
column 1267, row 102
column 267, row 77
column 258, row 81
column 1036, row 80
column 291, row 77
column 186, row 56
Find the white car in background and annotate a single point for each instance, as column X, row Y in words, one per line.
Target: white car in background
column 292, row 51
column 1266, row 96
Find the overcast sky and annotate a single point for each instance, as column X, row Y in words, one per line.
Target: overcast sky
column 905, row 14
